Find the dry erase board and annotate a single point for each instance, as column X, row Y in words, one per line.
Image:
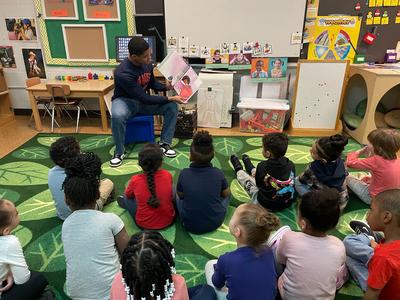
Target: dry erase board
column 211, row 22
column 318, row 94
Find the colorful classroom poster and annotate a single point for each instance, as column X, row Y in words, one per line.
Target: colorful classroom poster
column 312, row 8
column 379, row 3
column 387, row 2
column 372, row 3
column 240, row 61
column 394, row 3
column 268, row 69
column 217, row 60
column 34, row 64
column 21, row 29
column 332, row 38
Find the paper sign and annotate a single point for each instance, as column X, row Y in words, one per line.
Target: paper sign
column 372, row 3
column 102, row 15
column 296, row 38
column 377, row 20
column 59, row 13
column 379, row 3
column 387, row 2
column 394, row 3
column 369, row 18
column 172, row 42
column 194, row 51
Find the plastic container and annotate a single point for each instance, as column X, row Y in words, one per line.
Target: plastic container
column 139, row 129
column 262, row 115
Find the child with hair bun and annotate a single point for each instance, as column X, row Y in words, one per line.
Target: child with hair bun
column 91, row 239
column 149, row 196
column 380, row 160
column 249, row 271
column 148, row 272
column 203, row 192
column 327, row 169
column 314, row 261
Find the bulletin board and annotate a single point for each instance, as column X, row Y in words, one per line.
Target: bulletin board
column 53, row 44
column 96, row 10
column 387, row 35
column 76, row 35
column 318, row 94
column 60, row 10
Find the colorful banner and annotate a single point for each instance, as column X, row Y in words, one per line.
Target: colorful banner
column 333, row 38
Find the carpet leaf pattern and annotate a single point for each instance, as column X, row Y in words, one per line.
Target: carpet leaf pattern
column 23, row 180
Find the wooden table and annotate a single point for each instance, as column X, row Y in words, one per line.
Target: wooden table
column 84, row 89
column 378, row 82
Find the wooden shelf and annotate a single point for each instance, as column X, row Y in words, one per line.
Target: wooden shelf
column 6, row 113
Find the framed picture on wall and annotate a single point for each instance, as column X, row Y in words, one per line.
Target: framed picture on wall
column 21, row 29
column 34, row 63
column 76, row 35
column 60, row 9
column 101, row 10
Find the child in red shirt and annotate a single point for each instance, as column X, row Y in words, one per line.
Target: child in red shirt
column 149, row 197
column 381, row 160
column 383, row 259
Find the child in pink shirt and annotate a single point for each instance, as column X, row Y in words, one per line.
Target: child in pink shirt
column 381, row 161
column 148, row 272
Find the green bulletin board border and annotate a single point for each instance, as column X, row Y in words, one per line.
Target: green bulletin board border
column 60, row 60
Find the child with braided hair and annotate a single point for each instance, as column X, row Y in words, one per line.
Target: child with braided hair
column 148, row 272
column 149, row 196
column 92, row 239
column 249, row 271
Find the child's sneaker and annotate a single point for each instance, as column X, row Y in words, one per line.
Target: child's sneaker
column 249, row 167
column 116, row 161
column 277, row 236
column 361, row 227
column 237, row 166
column 167, row 150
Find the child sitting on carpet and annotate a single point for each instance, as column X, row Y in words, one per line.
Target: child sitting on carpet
column 148, row 272
column 381, row 160
column 17, row 282
column 91, row 239
column 376, row 267
column 327, row 169
column 249, row 271
column 203, row 192
column 314, row 260
column 61, row 152
column 149, row 196
column 272, row 183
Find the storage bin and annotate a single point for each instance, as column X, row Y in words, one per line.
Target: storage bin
column 260, row 115
column 139, row 129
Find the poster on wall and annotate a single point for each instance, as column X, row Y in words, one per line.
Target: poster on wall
column 240, row 61
column 34, row 64
column 217, row 60
column 7, row 59
column 333, row 38
column 21, row 29
column 101, row 10
column 268, row 69
column 60, row 9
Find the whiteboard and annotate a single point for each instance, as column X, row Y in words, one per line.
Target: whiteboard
column 318, row 94
column 212, row 22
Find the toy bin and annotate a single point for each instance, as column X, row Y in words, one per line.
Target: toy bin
column 262, row 115
column 139, row 129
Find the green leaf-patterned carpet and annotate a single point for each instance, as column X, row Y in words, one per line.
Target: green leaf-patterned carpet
column 23, row 180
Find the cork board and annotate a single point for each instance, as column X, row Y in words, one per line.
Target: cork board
column 76, row 35
column 60, row 9
column 101, row 10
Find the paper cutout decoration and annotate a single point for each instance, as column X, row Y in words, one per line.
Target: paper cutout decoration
column 379, row 3
column 387, row 2
column 372, row 3
column 385, row 18
column 369, row 19
column 235, row 48
column 398, row 17
column 194, row 51
column 333, row 35
column 358, row 6
column 257, row 51
column 183, row 49
column 172, row 42
column 217, row 60
column 248, row 47
column 224, row 48
column 205, row 52
column 377, row 17
column 267, row 49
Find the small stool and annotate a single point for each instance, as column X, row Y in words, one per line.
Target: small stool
column 139, row 129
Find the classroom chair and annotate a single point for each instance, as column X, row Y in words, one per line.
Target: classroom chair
column 59, row 99
column 45, row 101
